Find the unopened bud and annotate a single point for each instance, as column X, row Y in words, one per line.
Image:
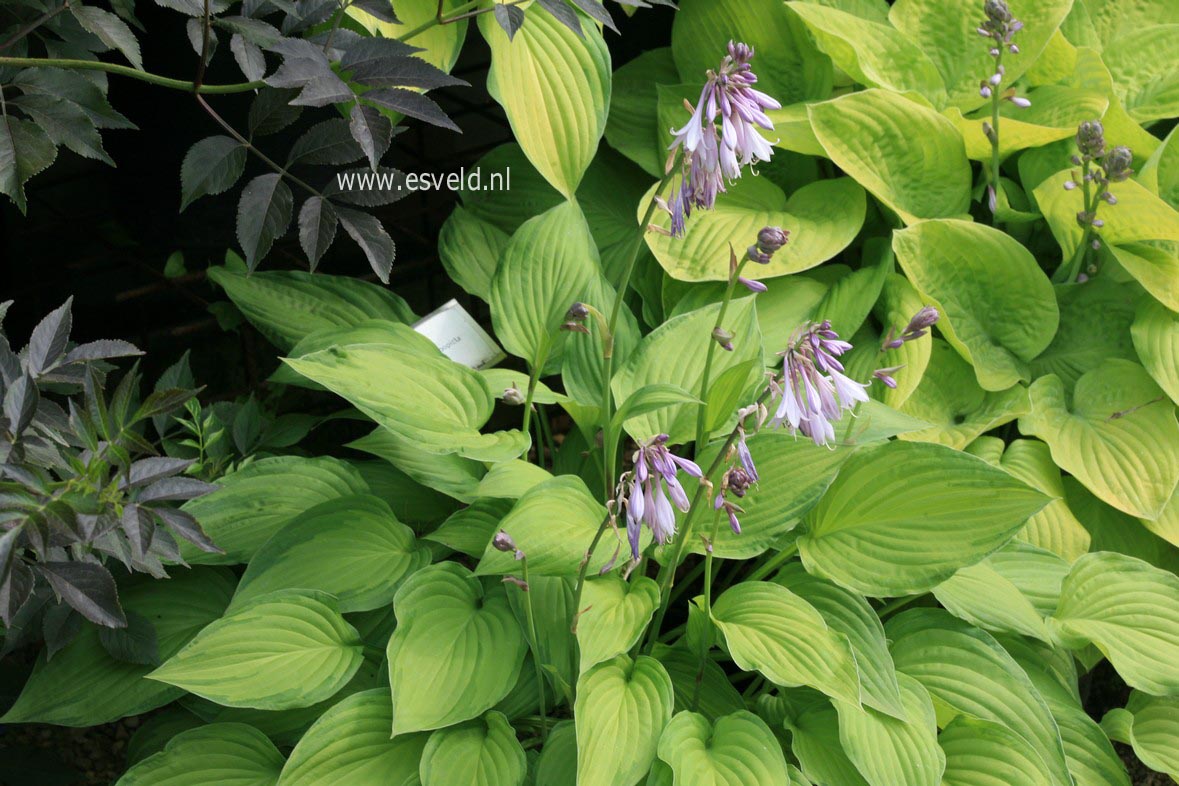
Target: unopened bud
column 1117, row 164
column 1091, row 138
column 724, row 338
column 751, row 285
column 1020, row 102
column 926, row 317
column 513, row 396
column 503, row 542
column 523, row 585
column 577, row 312
column 770, row 239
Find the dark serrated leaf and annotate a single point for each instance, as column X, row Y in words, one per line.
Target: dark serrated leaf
column 49, row 339
column 317, row 228
column 296, row 71
column 164, row 548
column 371, row 130
column 59, row 625
column 189, row 7
column 510, row 18
column 65, row 123
column 195, row 30
column 20, row 403
column 74, row 87
column 9, row 554
column 328, row 142
column 249, row 58
column 310, row 14
column 323, row 91
column 368, row 189
column 372, row 238
column 255, row 31
column 597, row 11
column 368, row 50
column 25, row 150
column 87, row 587
column 263, row 214
column 126, row 11
column 163, row 401
column 211, row 166
column 135, row 643
column 184, row 525
column 138, row 525
column 153, row 468
column 271, row 111
column 411, row 104
column 381, row 9
column 404, row 72
column 20, row 609
column 175, row 489
column 563, row 14
column 111, row 30
column 103, row 349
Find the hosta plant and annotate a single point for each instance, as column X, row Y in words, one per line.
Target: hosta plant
column 838, row 446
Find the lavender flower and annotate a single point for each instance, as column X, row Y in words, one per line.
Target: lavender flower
column 736, row 481
column 814, row 391
column 711, row 157
column 654, row 480
column 918, row 326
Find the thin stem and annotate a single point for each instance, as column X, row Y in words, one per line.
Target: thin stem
column 533, row 376
column 773, row 563
column 546, row 432
column 753, row 686
column 457, row 15
column 686, row 581
column 535, row 644
column 204, row 55
column 29, row 28
column 327, row 44
column 1074, row 267
column 995, row 130
column 713, row 345
column 122, row 70
column 716, row 519
column 580, row 587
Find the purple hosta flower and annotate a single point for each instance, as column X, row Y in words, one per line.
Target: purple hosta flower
column 503, row 542
column 885, row 375
column 1091, row 139
column 769, row 241
column 710, row 155
column 745, row 457
column 736, row 481
column 813, row 390
column 751, row 285
column 918, row 326
column 655, row 479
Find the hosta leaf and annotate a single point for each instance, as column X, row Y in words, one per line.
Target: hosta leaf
column 370, row 331
column 710, row 689
column 1155, row 265
column 1055, row 113
column 554, row 87
column 469, row 249
column 1094, row 325
column 771, row 630
column 248, row 508
column 1149, row 724
column 84, row 686
column 997, row 329
column 352, row 547
column 849, row 613
column 615, row 615
column 287, row 306
column 437, row 403
column 287, row 649
column 1156, row 339
column 1130, row 611
column 737, row 750
column 890, row 751
column 456, row 652
column 471, row 529
column 823, row 218
column 622, row 708
column 901, row 518
column 483, row 751
column 221, row 753
column 350, row 744
column 1145, row 76
column 1116, row 436
column 981, row 752
column 211, row 166
column 263, row 215
column 450, row 474
column 908, row 156
column 815, row 741
column 899, row 301
column 508, row 209
column 633, row 126
column 968, row 673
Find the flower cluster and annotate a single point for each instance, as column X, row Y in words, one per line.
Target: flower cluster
column 918, row 326
column 813, row 391
column 999, row 28
column 1100, row 167
column 654, row 479
column 710, row 157
column 736, row 480
column 769, row 241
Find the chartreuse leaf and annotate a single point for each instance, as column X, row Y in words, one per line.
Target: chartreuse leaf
column 1055, row 113
column 849, row 613
column 823, row 218
column 890, row 751
column 1155, row 265
column 632, row 128
column 352, row 547
column 219, row 753
column 256, row 501
column 437, row 403
column 82, row 685
column 551, row 523
column 370, row 331
column 789, row 66
column 350, row 744
column 287, row 649
column 1094, row 325
column 557, row 764
column 1142, row 64
column 968, row 673
column 949, row 397
column 898, row 303
column 621, row 710
column 1116, row 436
column 1166, row 526
column 711, row 691
column 1130, row 611
column 982, row 752
column 674, row 353
column 507, row 209
column 908, row 156
column 998, row 329
column 456, row 652
column 815, row 740
column 448, row 473
column 615, row 615
column 901, row 518
column 471, row 529
column 554, row 87
column 737, row 750
column 288, row 305
column 771, row 630
column 469, row 249
column 1150, row 724
column 552, row 603
column 478, row 752
column 1156, row 339
column 547, row 266
column 873, row 53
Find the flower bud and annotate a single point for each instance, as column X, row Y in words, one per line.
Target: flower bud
column 1109, row 198
column 770, row 239
column 724, row 338
column 577, row 312
column 513, row 396
column 1091, row 138
column 1020, row 102
column 985, row 91
column 1069, row 185
column 1117, row 164
column 503, row 542
column 926, row 317
column 523, row 585
column 995, row 79
column 751, row 285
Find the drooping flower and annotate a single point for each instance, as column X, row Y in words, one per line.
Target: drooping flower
column 654, row 480
column 711, row 155
column 813, row 391
column 918, row 326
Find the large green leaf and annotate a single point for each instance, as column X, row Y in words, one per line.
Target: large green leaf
column 953, row 264
column 370, row 331
column 557, row 764
column 554, row 87
column 448, row 473
column 632, row 128
column 908, row 156
column 288, row 305
column 259, row 499
column 901, row 518
column 815, row 740
column 353, row 548
column 546, row 267
column 437, row 403
column 456, row 652
column 709, row 689
column 982, row 752
column 737, row 750
column 1150, row 725
column 1055, row 113
column 481, row 752
column 899, row 301
column 229, row 753
column 469, row 249
column 823, row 218
column 1095, row 322
column 1142, row 63
column 621, row 710
column 969, row 674
column 771, row 630
column 82, row 685
column 1115, row 436
column 528, row 194
column 1156, row 339
column 890, row 751
column 290, row 648
column 1130, row 611
column 471, row 529
column 350, row 744
column 440, row 44
column 615, row 614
